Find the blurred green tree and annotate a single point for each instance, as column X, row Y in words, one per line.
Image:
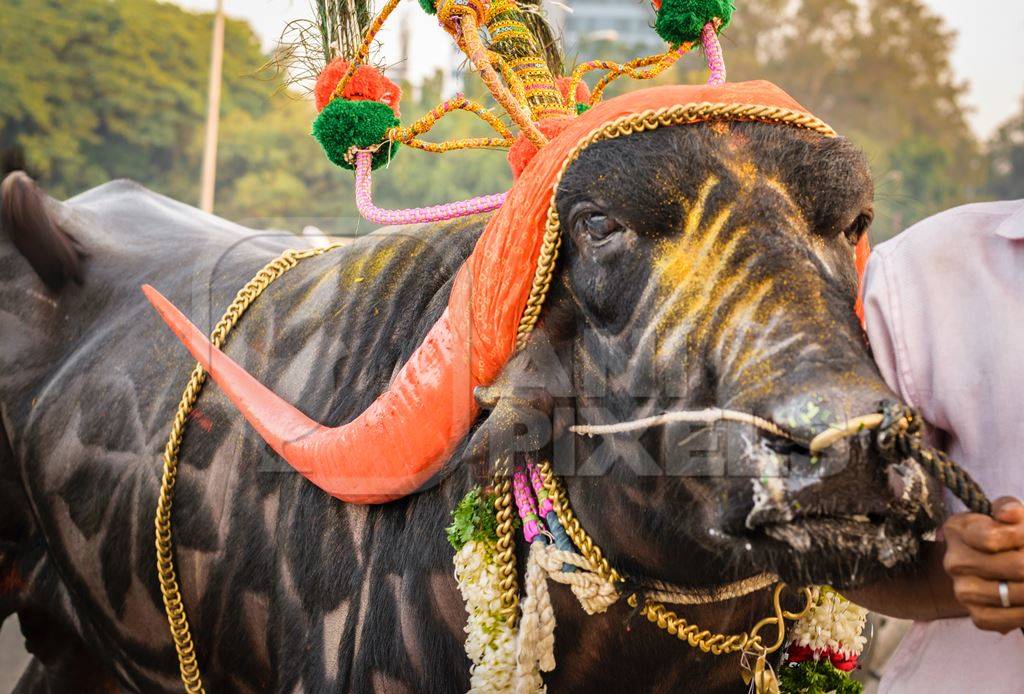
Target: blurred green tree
column 95, row 90
column 1006, row 159
column 879, row 73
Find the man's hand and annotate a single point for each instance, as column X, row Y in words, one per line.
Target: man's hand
column 981, row 552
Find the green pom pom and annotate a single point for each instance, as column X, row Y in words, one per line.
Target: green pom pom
column 816, row 677
column 428, row 6
column 346, row 124
column 681, row 21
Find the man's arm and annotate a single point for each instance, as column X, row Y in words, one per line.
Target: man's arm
column 922, row 592
column 982, row 553
column 960, row 578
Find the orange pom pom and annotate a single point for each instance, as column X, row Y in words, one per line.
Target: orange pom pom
column 366, row 84
column 327, row 81
column 582, row 95
column 523, row 151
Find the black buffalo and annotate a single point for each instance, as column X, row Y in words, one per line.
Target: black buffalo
column 701, row 265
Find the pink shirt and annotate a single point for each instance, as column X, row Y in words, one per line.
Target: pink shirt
column 944, row 304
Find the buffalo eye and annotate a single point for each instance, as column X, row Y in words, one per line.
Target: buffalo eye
column 859, row 227
column 597, row 226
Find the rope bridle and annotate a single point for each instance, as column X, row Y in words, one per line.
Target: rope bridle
column 898, row 426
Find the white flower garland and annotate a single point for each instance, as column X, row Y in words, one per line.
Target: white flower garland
column 834, row 624
column 490, row 642
column 832, row 627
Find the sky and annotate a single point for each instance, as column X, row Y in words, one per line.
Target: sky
column 989, row 53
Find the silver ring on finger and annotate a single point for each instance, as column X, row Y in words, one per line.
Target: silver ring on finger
column 1004, row 594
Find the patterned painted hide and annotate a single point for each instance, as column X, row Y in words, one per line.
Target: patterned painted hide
column 700, row 277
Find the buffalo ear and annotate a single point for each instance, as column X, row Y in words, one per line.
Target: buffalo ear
column 519, row 423
column 519, row 405
column 54, row 254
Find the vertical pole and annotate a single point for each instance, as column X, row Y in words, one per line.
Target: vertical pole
column 209, row 177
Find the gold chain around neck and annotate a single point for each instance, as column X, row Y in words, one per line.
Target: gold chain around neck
column 655, row 611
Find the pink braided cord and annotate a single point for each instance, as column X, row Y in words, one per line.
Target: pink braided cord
column 544, row 501
column 526, row 505
column 713, row 54
column 413, row 215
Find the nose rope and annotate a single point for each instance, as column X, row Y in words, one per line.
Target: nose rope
column 900, row 431
column 838, row 432
column 708, row 416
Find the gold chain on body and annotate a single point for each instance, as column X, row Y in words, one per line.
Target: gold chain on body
column 504, row 508
column 725, row 644
column 170, row 589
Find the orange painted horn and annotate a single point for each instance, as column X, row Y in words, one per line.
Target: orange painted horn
column 377, row 457
column 404, row 438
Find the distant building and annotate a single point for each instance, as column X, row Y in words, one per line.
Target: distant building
column 626, row 22
column 415, row 48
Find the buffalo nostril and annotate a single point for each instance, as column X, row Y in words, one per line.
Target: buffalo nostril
column 908, row 484
column 786, row 446
column 771, row 505
column 897, row 481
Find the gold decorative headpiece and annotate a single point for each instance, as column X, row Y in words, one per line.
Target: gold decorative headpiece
column 359, row 106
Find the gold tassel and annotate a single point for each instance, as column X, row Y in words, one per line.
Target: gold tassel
column 761, row 678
